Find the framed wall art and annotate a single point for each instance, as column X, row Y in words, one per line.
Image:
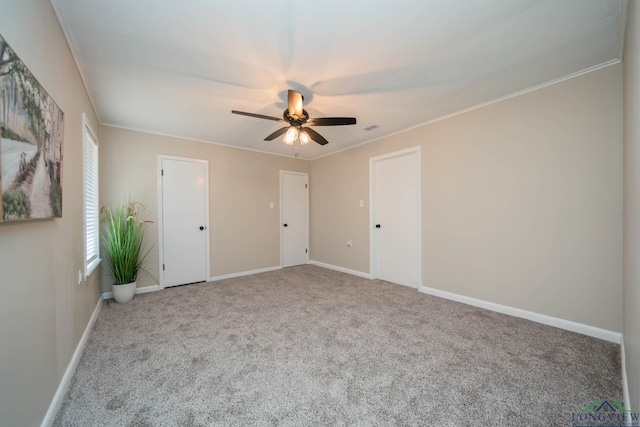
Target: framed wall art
column 32, row 127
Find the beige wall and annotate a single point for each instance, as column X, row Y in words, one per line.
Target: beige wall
column 43, row 311
column 521, row 201
column 631, row 290
column 244, row 231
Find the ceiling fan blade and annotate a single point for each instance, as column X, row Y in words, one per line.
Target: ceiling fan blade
column 258, row 116
column 295, row 103
column 316, row 136
column 277, row 133
column 332, row 121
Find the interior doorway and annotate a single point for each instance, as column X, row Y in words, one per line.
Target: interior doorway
column 294, row 218
column 183, row 220
column 396, row 217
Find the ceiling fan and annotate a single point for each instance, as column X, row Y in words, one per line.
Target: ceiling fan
column 295, row 116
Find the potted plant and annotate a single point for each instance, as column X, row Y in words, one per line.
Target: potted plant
column 122, row 238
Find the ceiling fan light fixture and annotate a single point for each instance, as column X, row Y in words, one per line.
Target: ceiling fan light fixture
column 294, row 117
column 304, row 137
column 291, row 136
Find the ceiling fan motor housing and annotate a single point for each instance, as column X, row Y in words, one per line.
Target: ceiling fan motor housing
column 293, row 121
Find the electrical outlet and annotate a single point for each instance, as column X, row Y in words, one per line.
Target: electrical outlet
column 79, row 277
column 349, row 243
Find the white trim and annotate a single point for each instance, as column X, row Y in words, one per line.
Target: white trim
column 204, row 141
column 341, row 269
column 162, row 157
column 92, row 266
column 373, row 241
column 71, row 368
column 373, row 237
column 147, row 289
column 306, row 175
column 280, row 226
column 160, row 221
column 86, row 127
column 142, row 290
column 622, row 28
column 568, row 325
column 625, row 384
column 73, row 49
column 244, row 273
column 477, row 106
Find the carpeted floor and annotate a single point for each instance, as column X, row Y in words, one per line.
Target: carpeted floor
column 306, row 346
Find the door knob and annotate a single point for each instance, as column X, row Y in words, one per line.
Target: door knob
column 286, row 225
column 377, row 225
column 202, row 227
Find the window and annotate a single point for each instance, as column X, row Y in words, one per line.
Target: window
column 91, row 209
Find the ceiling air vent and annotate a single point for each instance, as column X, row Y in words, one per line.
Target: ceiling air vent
column 371, row 127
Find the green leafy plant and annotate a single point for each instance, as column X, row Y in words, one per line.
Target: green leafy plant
column 122, row 238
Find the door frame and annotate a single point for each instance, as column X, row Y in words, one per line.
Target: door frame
column 306, row 175
column 373, row 237
column 162, row 157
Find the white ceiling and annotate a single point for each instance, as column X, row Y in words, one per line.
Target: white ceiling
column 180, row 67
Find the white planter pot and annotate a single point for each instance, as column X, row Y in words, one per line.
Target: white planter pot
column 124, row 293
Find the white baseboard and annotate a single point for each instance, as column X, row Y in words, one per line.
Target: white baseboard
column 568, row 325
column 143, row 290
column 341, row 269
column 625, row 384
column 147, row 289
column 71, row 368
column 244, row 273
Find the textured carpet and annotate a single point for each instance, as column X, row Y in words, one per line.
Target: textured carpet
column 310, row 346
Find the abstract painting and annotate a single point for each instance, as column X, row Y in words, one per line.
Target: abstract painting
column 32, row 128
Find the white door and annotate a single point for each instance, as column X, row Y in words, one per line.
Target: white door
column 294, row 218
column 184, row 221
column 396, row 217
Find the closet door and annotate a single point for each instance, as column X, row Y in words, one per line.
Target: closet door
column 184, row 231
column 294, row 227
column 396, row 216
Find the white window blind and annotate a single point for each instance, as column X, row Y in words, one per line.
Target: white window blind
column 91, row 209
